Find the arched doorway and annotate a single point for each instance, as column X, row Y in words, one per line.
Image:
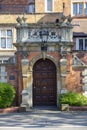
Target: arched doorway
column 44, row 83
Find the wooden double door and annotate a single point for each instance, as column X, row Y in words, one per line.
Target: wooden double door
column 44, row 83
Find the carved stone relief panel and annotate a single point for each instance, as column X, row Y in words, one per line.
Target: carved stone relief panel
column 54, row 35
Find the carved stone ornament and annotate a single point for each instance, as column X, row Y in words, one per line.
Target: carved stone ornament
column 31, row 33
column 77, row 62
column 24, row 54
column 63, row 51
column 53, row 34
column 21, row 20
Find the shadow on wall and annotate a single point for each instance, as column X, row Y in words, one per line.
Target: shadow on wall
column 50, row 18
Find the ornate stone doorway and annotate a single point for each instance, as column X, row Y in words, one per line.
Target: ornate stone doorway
column 44, row 83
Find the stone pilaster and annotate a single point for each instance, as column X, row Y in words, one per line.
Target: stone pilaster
column 27, row 84
column 24, row 64
column 25, row 93
column 84, row 73
column 63, row 71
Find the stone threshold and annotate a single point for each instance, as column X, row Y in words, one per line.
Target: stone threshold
column 18, row 109
column 9, row 110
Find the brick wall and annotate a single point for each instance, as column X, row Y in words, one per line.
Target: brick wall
column 13, row 6
column 12, row 71
column 30, row 1
column 19, row 77
column 13, row 2
column 13, row 79
column 74, row 78
column 19, row 6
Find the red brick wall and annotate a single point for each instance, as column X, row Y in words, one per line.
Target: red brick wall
column 74, row 78
column 19, row 77
column 30, row 1
column 74, row 81
column 13, row 2
column 58, row 6
column 12, row 71
column 17, row 82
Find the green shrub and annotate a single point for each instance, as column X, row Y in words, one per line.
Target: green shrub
column 7, row 95
column 73, row 99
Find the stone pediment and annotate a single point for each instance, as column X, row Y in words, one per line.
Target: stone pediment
column 76, row 62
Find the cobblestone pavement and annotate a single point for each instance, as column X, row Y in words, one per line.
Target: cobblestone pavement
column 40, row 118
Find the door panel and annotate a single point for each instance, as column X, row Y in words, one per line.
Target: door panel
column 44, row 83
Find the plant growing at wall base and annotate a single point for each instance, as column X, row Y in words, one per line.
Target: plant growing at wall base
column 73, row 99
column 7, row 95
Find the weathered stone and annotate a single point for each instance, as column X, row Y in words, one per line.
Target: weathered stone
column 25, row 98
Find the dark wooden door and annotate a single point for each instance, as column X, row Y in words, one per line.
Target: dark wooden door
column 44, row 83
